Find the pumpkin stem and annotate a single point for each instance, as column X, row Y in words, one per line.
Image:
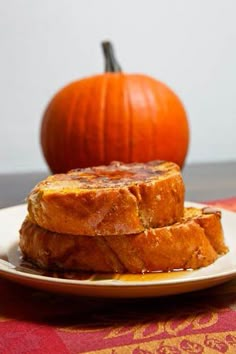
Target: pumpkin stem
column 111, row 64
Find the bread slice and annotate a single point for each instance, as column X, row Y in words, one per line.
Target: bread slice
column 194, row 242
column 109, row 200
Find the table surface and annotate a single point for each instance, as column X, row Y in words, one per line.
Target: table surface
column 205, row 181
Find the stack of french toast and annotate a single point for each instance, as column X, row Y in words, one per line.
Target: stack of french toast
column 119, row 218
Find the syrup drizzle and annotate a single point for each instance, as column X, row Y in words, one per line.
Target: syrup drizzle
column 27, row 267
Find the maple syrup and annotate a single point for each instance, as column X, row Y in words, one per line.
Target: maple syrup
column 28, row 267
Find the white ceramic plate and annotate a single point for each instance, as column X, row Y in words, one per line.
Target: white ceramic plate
column 146, row 285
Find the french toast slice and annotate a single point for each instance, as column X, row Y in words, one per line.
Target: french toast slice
column 196, row 241
column 109, row 200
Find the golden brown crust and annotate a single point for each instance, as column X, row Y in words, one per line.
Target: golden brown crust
column 208, row 218
column 109, row 200
column 194, row 242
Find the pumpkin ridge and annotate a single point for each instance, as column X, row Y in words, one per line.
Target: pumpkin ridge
column 86, row 117
column 70, row 124
column 100, row 116
column 171, row 106
column 104, row 115
column 125, row 110
column 162, row 113
column 130, row 123
column 152, row 110
column 144, row 87
column 79, row 132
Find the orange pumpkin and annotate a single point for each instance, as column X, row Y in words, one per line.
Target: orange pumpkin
column 113, row 116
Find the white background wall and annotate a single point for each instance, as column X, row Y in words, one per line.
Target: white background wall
column 190, row 45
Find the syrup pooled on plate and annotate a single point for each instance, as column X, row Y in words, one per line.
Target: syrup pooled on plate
column 28, row 267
